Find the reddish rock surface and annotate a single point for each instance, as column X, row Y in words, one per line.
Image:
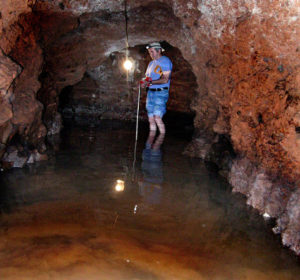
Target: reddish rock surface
column 244, row 55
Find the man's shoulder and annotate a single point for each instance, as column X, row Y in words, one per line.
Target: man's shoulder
column 165, row 59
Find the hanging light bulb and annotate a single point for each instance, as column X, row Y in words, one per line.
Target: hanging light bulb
column 127, row 64
column 120, row 186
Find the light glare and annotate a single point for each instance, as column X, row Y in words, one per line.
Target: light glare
column 120, row 186
column 127, row 64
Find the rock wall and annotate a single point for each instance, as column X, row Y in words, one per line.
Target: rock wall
column 255, row 59
column 21, row 63
column 244, row 54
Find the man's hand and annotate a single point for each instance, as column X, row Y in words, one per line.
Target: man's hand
column 145, row 82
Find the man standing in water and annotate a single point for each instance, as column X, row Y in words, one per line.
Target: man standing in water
column 157, row 81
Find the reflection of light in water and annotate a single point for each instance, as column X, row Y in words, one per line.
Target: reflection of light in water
column 135, row 209
column 127, row 64
column 120, row 186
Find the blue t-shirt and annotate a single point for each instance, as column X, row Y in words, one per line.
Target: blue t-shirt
column 157, row 67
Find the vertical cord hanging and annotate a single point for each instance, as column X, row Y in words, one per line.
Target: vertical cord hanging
column 126, row 34
column 126, row 39
column 126, row 26
column 139, row 94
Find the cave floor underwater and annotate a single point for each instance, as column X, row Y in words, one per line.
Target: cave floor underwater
column 169, row 217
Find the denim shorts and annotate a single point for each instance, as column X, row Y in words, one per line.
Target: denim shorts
column 156, row 102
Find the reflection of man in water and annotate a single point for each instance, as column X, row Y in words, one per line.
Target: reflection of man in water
column 150, row 186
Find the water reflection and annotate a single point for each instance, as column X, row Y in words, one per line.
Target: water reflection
column 152, row 169
column 65, row 220
column 120, row 186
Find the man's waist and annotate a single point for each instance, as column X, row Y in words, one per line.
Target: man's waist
column 158, row 89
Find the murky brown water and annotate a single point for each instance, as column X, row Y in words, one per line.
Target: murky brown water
column 63, row 219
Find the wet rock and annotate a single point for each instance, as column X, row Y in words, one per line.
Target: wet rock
column 291, row 223
column 259, row 192
column 13, row 158
column 2, row 150
column 54, row 124
column 20, row 110
column 242, row 175
column 8, row 72
column 35, row 156
column 278, row 199
column 271, row 198
column 27, row 109
column 31, row 159
column 222, row 154
column 6, row 130
column 5, row 113
column 266, row 195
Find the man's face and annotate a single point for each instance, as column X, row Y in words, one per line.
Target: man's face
column 154, row 54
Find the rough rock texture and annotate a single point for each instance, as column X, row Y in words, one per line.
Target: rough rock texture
column 8, row 72
column 289, row 223
column 21, row 61
column 275, row 199
column 244, row 54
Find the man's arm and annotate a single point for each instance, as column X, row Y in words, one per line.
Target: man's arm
column 163, row 79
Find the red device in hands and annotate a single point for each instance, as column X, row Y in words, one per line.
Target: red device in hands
column 146, row 81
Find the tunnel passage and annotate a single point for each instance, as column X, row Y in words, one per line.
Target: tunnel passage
column 82, row 75
column 244, row 55
column 110, row 92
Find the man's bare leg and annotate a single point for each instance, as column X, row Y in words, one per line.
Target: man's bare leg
column 152, row 124
column 160, row 124
column 152, row 134
column 159, row 140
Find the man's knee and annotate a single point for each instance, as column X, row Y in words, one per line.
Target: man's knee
column 160, row 124
column 152, row 123
column 157, row 119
